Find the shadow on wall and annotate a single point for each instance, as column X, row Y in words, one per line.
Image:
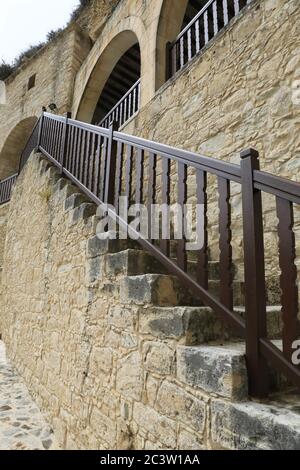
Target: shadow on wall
column 11, row 151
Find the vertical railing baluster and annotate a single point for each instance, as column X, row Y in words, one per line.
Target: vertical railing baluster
column 139, row 176
column 96, row 189
column 91, row 161
column 288, row 278
column 182, row 196
column 109, row 197
column 181, row 53
column 119, row 170
column 103, row 167
column 226, row 292
column 151, row 190
column 206, row 33
column 236, row 7
column 225, row 12
column 197, row 36
column 255, row 284
column 189, row 44
column 166, row 169
column 202, row 268
column 65, row 141
column 215, row 17
column 128, row 181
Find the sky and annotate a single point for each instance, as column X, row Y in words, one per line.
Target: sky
column 27, row 22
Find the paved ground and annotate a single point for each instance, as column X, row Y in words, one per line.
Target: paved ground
column 22, row 426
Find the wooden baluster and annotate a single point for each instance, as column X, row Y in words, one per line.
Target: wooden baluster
column 288, row 278
column 110, row 184
column 189, row 44
column 215, row 18
column 225, row 12
column 81, row 156
column 91, row 159
column 166, row 169
column 74, row 150
column 206, row 32
column 103, row 167
column 151, row 190
column 97, row 165
column 119, row 173
column 181, row 51
column 202, row 270
column 182, row 196
column 226, row 291
column 128, row 184
column 197, row 36
column 255, row 284
column 139, row 176
column 236, row 7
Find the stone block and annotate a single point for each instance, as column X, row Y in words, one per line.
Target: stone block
column 220, row 370
column 175, row 402
column 159, row 358
column 160, row 427
column 255, row 426
column 129, row 378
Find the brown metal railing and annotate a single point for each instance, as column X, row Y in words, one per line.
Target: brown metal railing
column 6, row 188
column 125, row 109
column 210, row 20
column 105, row 164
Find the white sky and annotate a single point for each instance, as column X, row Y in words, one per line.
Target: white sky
column 27, row 22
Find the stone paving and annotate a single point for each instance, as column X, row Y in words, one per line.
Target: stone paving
column 22, row 426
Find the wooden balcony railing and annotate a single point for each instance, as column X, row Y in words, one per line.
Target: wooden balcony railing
column 125, row 109
column 210, row 20
column 105, row 164
column 6, row 188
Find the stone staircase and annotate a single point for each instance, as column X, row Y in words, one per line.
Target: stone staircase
column 209, row 357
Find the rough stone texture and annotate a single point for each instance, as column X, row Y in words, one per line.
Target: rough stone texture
column 22, row 426
column 107, row 375
column 219, row 369
column 254, row 426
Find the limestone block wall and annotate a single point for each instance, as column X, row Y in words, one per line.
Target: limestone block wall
column 239, row 93
column 55, row 67
column 101, row 364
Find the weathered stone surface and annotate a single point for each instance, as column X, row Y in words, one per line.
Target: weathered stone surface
column 254, row 426
column 215, row 369
column 159, row 358
column 174, row 402
column 161, row 428
column 129, row 376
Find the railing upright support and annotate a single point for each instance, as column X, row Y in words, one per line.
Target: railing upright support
column 109, row 194
column 40, row 131
column 255, row 289
column 64, row 147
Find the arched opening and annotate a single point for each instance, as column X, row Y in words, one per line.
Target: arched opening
column 184, row 31
column 123, row 77
column 113, row 88
column 12, row 149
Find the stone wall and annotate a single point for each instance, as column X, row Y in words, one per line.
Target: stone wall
column 55, row 67
column 239, row 93
column 100, row 362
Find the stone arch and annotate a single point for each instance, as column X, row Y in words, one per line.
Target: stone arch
column 101, row 61
column 13, row 146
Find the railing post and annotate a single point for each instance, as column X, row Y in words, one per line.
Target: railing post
column 64, row 147
column 254, row 264
column 40, row 131
column 111, row 165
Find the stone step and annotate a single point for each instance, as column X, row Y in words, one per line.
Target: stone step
column 220, row 368
column 217, row 368
column 101, row 246
column 132, row 263
column 154, row 288
column 274, row 425
column 274, row 320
